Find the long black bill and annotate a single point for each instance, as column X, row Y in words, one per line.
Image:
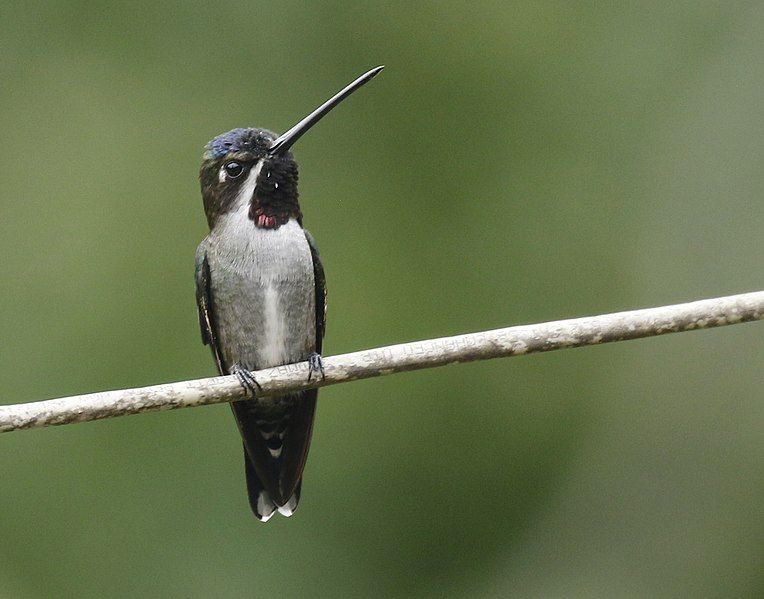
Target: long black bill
column 286, row 141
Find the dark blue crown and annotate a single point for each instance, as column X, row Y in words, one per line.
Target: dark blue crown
column 239, row 140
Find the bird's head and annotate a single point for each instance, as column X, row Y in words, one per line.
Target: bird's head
column 253, row 169
column 238, row 171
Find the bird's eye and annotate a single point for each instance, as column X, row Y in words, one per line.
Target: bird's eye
column 233, row 169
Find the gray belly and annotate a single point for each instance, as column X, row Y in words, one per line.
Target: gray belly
column 263, row 294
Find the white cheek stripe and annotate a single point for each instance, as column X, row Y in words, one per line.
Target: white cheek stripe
column 248, row 188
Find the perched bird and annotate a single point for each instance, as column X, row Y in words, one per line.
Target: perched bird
column 261, row 295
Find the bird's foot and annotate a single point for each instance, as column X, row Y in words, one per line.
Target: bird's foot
column 246, row 380
column 316, row 364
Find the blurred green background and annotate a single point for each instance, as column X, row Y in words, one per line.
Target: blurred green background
column 516, row 162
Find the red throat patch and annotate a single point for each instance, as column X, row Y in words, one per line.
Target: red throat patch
column 265, row 222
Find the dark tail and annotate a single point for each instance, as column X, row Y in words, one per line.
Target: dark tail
column 276, row 434
column 260, row 500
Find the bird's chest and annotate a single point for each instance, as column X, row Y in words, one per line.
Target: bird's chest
column 263, row 292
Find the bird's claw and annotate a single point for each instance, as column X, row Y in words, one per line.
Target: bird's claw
column 246, row 380
column 316, row 364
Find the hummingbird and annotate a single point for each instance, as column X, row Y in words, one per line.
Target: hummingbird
column 261, row 296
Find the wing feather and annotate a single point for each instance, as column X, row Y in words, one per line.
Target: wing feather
column 320, row 281
column 204, row 306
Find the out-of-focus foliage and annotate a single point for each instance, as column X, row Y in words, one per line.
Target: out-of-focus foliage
column 516, row 162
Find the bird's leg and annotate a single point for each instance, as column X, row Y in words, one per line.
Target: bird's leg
column 316, row 364
column 246, row 379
